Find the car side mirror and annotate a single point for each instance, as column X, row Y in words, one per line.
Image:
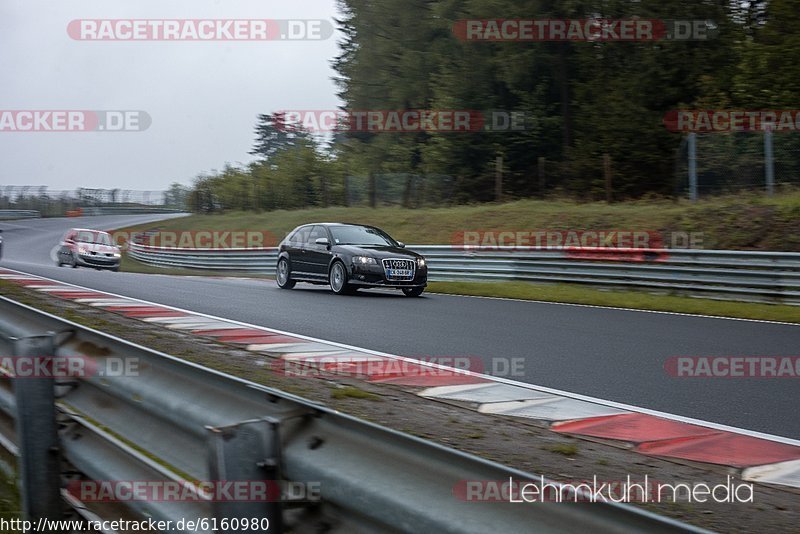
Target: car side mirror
column 401, row 244
column 323, row 241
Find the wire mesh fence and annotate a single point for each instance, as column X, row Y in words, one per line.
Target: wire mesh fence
column 53, row 203
column 400, row 189
column 734, row 162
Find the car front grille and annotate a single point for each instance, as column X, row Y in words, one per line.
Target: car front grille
column 398, row 269
column 99, row 258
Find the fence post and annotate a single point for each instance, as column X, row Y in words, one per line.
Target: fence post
column 37, row 435
column 693, row 167
column 407, row 191
column 542, row 177
column 769, row 162
column 498, row 179
column 325, row 199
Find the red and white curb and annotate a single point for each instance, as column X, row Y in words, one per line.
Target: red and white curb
column 760, row 457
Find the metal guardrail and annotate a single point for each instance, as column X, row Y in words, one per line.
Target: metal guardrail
column 738, row 275
column 173, row 420
column 132, row 210
column 92, row 211
column 19, row 214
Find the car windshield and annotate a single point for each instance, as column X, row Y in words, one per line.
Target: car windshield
column 95, row 238
column 361, row 235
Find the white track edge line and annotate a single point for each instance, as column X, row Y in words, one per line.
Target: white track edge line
column 637, row 310
column 533, row 301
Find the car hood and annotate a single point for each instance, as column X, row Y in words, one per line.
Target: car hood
column 100, row 249
column 380, row 252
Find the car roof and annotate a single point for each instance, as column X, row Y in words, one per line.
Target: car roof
column 336, row 224
column 87, row 230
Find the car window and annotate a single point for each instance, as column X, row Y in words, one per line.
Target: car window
column 316, row 233
column 300, row 235
column 97, row 238
column 360, row 235
column 83, row 237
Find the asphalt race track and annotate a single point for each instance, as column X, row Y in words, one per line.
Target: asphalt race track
column 611, row 354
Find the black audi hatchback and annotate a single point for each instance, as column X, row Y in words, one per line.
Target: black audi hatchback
column 349, row 257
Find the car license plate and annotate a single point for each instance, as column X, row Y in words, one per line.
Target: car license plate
column 399, row 273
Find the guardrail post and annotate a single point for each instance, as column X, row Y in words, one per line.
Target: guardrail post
column 37, row 435
column 248, row 452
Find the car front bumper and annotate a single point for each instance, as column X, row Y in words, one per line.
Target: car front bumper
column 101, row 262
column 375, row 276
column 386, row 283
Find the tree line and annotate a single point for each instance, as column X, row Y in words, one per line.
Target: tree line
column 593, row 109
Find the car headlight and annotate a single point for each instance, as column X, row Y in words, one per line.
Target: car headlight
column 421, row 262
column 364, row 260
column 117, row 254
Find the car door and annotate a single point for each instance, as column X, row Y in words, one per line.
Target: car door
column 296, row 247
column 318, row 256
column 65, row 250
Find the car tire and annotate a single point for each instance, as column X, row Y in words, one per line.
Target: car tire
column 337, row 278
column 413, row 291
column 283, row 274
column 74, row 262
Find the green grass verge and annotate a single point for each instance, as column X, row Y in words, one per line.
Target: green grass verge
column 745, row 221
column 748, row 221
column 569, row 294
column 353, row 393
column 575, row 294
column 10, row 500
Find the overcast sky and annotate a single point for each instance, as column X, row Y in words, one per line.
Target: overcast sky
column 203, row 97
